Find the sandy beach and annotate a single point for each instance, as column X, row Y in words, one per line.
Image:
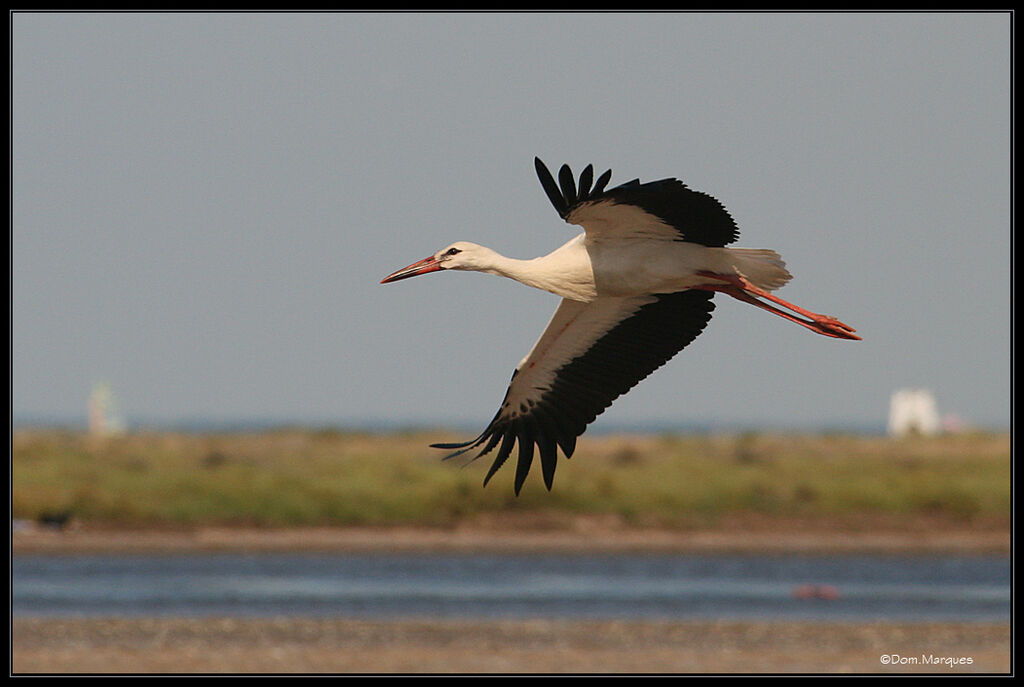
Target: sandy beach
column 337, row 645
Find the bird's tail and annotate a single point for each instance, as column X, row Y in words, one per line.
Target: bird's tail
column 762, row 267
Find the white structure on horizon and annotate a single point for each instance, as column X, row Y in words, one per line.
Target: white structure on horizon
column 913, row 411
column 104, row 418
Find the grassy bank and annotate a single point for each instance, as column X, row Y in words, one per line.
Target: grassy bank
column 308, row 478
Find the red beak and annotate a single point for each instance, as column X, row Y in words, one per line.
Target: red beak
column 419, row 267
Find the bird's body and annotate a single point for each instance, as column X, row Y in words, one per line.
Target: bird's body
column 585, row 270
column 636, row 288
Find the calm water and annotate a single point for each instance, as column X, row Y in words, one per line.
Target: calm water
column 961, row 588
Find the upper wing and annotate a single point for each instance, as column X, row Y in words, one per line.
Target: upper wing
column 665, row 209
column 589, row 355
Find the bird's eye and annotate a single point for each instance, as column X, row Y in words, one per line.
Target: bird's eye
column 453, row 251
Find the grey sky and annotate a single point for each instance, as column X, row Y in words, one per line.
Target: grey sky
column 204, row 204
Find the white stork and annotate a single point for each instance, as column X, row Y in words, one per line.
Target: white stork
column 636, row 288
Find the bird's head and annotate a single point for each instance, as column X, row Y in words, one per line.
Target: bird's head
column 461, row 255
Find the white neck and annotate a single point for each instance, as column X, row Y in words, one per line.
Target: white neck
column 565, row 272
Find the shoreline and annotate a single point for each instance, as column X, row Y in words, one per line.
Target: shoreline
column 583, row 535
column 344, row 645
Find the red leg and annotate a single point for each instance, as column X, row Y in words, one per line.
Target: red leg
column 738, row 287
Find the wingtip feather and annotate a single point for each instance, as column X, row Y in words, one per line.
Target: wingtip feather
column 602, row 181
column 586, row 178
column 524, row 462
column 550, row 187
column 568, row 185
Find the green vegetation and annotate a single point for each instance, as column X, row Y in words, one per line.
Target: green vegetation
column 303, row 478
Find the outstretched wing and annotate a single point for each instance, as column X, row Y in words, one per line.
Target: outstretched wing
column 665, row 209
column 589, row 355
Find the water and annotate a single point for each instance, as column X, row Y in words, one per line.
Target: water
column 662, row 586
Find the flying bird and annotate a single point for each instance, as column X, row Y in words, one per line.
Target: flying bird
column 636, row 288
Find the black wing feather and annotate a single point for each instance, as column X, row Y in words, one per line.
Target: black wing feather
column 551, row 188
column 585, row 386
column 698, row 217
column 568, row 185
column 586, row 177
column 601, row 183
